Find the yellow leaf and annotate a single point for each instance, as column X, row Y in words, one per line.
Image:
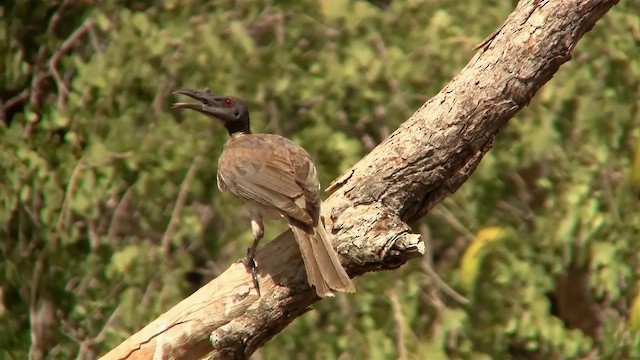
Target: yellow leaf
column 634, row 311
column 472, row 256
column 635, row 168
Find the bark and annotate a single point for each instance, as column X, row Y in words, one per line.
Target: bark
column 426, row 159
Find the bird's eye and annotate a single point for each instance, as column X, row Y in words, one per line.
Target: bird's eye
column 228, row 102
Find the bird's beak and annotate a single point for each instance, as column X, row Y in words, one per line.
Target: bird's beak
column 210, row 105
column 205, row 97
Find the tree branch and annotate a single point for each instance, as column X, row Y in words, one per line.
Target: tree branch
column 426, row 159
column 177, row 208
column 57, row 56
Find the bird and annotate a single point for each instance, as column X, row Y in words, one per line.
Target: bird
column 276, row 178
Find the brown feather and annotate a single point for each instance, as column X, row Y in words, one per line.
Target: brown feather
column 259, row 167
column 278, row 178
column 322, row 265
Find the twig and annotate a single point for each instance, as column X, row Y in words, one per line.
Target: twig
column 443, row 285
column 446, row 215
column 55, row 59
column 117, row 212
column 37, row 94
column 511, row 210
column 180, row 201
column 83, row 350
column 107, row 326
column 23, row 96
column 64, row 212
column 163, row 92
column 398, row 318
column 110, row 158
column 94, row 40
column 88, row 345
column 524, row 195
column 35, row 281
column 92, row 233
column 149, row 291
column 57, row 17
column 36, row 350
column 427, row 267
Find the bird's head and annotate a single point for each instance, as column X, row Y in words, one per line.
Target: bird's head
column 232, row 111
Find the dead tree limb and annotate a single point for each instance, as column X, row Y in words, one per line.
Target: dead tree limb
column 423, row 161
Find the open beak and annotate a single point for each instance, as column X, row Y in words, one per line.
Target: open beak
column 209, row 104
column 204, row 97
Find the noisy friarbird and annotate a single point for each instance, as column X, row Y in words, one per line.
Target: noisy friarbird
column 276, row 179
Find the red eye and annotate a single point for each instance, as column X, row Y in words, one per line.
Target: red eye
column 228, row 102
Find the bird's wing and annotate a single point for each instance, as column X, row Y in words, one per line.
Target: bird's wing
column 272, row 171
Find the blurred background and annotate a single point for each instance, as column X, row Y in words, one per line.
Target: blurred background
column 110, row 213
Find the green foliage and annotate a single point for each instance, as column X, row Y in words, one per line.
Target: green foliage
column 89, row 180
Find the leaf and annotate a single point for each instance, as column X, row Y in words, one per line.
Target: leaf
column 472, row 257
column 123, row 260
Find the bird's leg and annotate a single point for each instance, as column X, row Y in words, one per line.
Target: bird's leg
column 258, row 231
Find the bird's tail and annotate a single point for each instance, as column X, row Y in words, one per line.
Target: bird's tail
column 324, row 270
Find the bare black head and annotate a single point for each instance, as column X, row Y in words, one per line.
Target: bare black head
column 232, row 111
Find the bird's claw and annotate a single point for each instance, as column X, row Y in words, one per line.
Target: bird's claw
column 251, row 265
